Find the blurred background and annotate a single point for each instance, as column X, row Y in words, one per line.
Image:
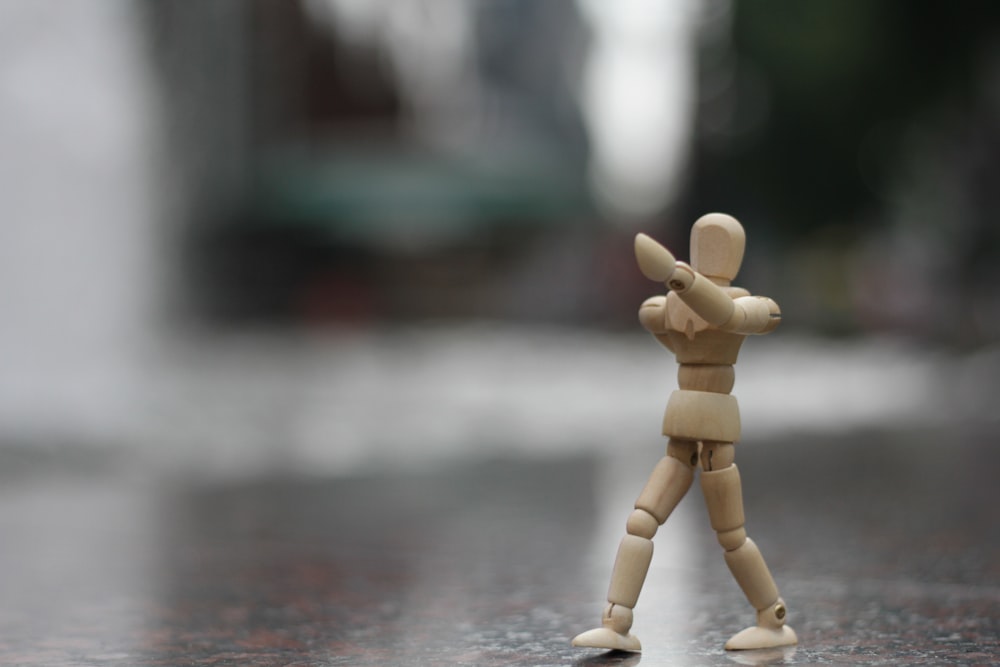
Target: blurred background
column 331, row 235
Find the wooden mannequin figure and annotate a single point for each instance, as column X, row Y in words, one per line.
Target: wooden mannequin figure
column 703, row 320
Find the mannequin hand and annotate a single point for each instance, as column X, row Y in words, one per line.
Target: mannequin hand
column 656, row 262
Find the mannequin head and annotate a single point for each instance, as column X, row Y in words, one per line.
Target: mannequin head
column 717, row 242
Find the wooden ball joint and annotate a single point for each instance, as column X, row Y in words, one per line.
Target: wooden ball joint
column 703, row 320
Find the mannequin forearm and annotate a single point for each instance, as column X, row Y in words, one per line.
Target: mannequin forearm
column 745, row 315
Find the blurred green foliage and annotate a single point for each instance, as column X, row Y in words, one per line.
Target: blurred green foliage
column 842, row 82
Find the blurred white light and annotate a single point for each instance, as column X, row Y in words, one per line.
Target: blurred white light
column 429, row 47
column 354, row 20
column 637, row 99
column 79, row 273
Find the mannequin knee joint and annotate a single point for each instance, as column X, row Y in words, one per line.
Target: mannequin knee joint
column 732, row 539
column 642, row 524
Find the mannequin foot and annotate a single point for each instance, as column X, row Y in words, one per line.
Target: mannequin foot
column 769, row 632
column 613, row 633
column 757, row 637
column 607, row 638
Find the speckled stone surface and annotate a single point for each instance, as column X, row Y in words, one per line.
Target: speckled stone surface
column 886, row 546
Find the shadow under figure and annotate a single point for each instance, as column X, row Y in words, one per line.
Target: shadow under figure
column 703, row 320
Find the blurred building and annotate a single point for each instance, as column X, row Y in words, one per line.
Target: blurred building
column 355, row 161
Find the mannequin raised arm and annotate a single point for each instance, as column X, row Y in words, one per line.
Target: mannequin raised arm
column 743, row 315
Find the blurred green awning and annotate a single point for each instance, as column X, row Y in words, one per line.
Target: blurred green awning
column 365, row 195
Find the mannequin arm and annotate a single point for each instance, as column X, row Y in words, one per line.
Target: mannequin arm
column 744, row 315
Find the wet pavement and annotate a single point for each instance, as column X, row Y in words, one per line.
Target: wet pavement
column 885, row 544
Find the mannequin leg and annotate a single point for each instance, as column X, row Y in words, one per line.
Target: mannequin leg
column 720, row 482
column 668, row 483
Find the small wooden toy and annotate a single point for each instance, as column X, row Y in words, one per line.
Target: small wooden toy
column 703, row 320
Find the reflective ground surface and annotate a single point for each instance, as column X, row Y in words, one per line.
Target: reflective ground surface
column 886, row 546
